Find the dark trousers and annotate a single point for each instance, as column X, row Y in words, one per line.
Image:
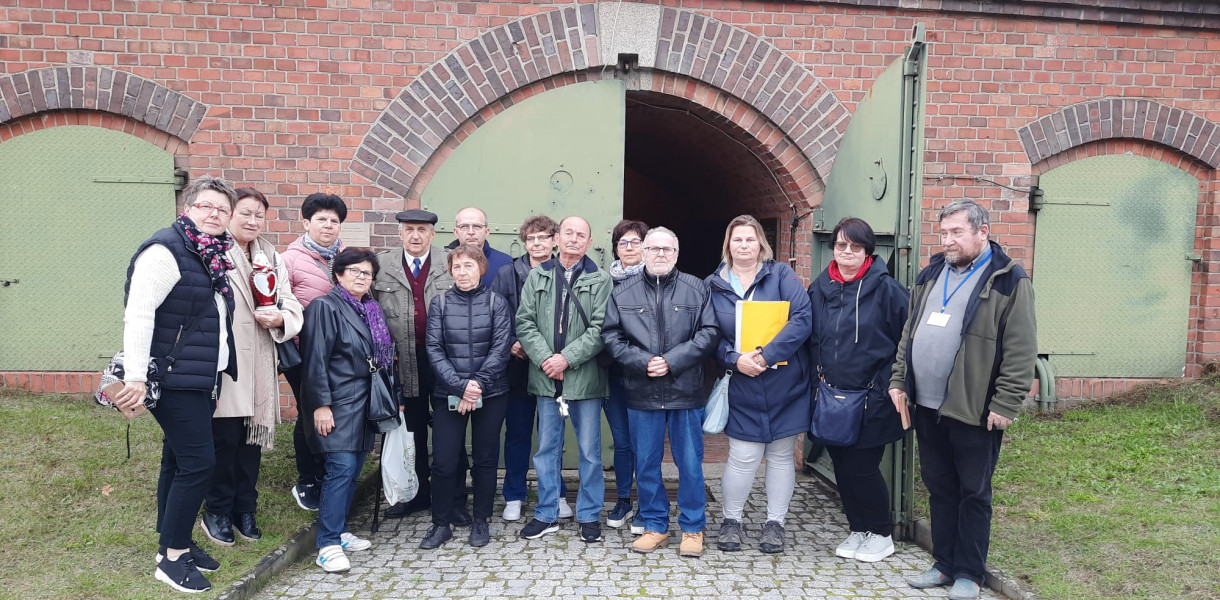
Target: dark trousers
column 956, row 462
column 448, row 456
column 187, row 460
column 866, row 499
column 416, row 412
column 235, row 479
column 311, row 468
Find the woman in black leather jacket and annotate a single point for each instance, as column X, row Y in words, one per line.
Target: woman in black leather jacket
column 469, row 333
column 344, row 335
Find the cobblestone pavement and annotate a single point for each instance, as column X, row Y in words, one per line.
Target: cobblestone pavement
column 561, row 566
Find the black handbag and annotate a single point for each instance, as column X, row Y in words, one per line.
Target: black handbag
column 383, row 403
column 289, row 355
column 837, row 413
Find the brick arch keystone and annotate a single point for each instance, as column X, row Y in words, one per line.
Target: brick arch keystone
column 101, row 89
column 531, row 49
column 1131, row 118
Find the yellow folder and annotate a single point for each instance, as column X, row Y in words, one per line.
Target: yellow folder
column 758, row 322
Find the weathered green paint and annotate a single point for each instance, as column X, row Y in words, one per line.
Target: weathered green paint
column 76, row 201
column 877, row 177
column 1112, row 267
column 558, row 153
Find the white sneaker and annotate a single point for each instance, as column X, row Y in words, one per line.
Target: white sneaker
column 874, row 548
column 565, row 511
column 848, row 548
column 333, row 560
column 351, row 543
column 512, row 510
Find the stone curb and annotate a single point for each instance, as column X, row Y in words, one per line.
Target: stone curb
column 994, row 578
column 298, row 546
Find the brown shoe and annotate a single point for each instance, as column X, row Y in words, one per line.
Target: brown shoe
column 692, row 545
column 651, row 540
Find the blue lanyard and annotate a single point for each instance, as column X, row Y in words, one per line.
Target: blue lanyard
column 946, row 295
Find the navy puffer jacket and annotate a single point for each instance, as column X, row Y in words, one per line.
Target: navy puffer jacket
column 775, row 404
column 856, row 328
column 468, row 338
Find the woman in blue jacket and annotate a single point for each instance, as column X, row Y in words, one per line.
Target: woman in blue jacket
column 858, row 314
column 768, row 402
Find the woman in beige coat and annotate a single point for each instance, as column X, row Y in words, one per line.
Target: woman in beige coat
column 248, row 409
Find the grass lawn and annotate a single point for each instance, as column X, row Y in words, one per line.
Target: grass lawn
column 1114, row 499
column 77, row 517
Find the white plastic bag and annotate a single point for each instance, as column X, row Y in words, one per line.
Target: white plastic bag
column 398, row 465
column 716, row 413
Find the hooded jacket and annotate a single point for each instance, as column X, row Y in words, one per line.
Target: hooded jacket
column 668, row 316
column 856, row 328
column 994, row 366
column 584, row 378
column 775, row 404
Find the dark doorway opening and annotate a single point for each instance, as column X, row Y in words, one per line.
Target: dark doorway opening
column 692, row 170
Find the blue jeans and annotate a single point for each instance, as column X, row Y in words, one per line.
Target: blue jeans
column 586, row 418
column 338, row 490
column 518, row 439
column 620, row 431
column 685, row 428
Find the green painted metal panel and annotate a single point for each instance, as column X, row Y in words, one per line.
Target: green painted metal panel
column 76, row 201
column 877, row 171
column 558, row 153
column 1112, row 267
column 877, row 176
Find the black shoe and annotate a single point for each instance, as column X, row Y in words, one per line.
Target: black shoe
column 182, row 575
column 591, row 532
column 437, row 535
column 246, row 527
column 536, row 529
column 479, row 535
column 218, row 528
column 772, row 540
column 460, row 517
column 203, row 560
column 729, row 539
column 308, row 496
column 403, row 509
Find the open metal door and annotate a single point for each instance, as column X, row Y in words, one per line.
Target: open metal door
column 559, row 153
column 877, row 177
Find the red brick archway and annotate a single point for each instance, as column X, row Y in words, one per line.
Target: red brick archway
column 747, row 74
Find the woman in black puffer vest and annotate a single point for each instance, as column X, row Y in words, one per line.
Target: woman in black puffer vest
column 469, row 332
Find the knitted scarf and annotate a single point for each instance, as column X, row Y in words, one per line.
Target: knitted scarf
column 618, row 272
column 212, row 250
column 370, row 313
column 326, row 252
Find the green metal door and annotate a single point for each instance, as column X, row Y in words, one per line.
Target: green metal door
column 76, row 201
column 1113, row 257
column 876, row 177
column 559, row 153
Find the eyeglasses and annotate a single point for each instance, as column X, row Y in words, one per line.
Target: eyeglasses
column 541, row 238
column 472, row 227
column 208, row 208
column 846, row 246
column 359, row 273
column 661, row 250
column 629, row 244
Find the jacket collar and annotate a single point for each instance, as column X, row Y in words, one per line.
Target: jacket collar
column 720, row 278
column 999, row 264
column 394, row 268
column 350, row 315
column 653, row 280
column 586, row 265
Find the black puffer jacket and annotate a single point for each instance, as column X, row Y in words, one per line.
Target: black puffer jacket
column 468, row 338
column 335, row 346
column 508, row 284
column 671, row 317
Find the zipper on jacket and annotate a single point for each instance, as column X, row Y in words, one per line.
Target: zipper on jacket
column 660, row 337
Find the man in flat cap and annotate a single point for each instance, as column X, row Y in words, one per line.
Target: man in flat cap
column 406, row 283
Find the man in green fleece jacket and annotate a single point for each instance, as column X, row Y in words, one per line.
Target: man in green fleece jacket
column 966, row 358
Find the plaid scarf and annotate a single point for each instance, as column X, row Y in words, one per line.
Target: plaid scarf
column 370, row 313
column 212, row 250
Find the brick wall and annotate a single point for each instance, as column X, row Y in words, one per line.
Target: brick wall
column 292, row 89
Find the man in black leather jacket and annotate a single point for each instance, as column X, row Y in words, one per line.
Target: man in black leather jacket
column 659, row 327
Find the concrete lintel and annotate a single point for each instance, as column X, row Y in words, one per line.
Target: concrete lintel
column 628, row 28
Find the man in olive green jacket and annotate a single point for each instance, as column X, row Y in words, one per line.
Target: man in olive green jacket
column 559, row 323
column 967, row 360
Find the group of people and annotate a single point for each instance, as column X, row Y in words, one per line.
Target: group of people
column 467, row 337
